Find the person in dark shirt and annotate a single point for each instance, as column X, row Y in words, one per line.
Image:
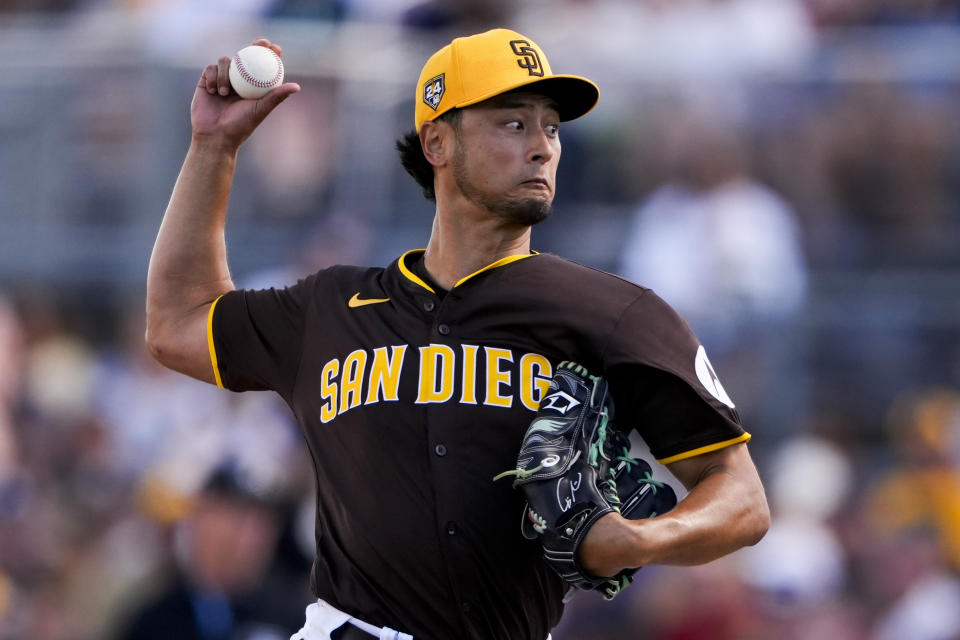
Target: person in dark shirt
column 414, row 384
column 224, row 585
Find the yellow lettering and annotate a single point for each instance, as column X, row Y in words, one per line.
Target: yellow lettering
column 385, row 373
column 328, row 390
column 497, row 377
column 436, row 373
column 469, row 395
column 534, row 385
column 351, row 382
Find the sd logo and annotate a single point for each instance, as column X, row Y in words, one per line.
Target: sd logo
column 529, row 58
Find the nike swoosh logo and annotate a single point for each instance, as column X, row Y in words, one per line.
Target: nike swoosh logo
column 355, row 301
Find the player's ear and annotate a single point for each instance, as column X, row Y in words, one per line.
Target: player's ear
column 436, row 140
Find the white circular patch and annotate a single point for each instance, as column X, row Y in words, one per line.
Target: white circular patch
column 550, row 461
column 708, row 377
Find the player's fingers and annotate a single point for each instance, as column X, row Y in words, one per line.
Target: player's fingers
column 264, row 42
column 223, row 75
column 269, row 102
column 208, row 80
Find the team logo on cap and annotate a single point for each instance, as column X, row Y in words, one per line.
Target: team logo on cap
column 433, row 91
column 529, row 58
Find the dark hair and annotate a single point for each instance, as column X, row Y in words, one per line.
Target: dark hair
column 413, row 160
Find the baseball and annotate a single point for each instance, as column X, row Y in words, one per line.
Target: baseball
column 254, row 71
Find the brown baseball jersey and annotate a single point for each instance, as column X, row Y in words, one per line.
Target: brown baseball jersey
column 411, row 399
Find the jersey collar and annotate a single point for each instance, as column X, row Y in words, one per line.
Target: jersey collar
column 410, row 275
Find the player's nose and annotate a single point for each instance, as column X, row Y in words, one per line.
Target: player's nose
column 543, row 147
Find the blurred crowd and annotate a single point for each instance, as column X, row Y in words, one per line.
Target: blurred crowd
column 790, row 184
column 126, row 487
column 433, row 13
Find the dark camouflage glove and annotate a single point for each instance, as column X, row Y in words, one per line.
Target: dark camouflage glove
column 639, row 495
column 574, row 468
column 567, row 468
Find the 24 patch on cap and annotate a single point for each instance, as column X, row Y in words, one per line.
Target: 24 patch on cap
column 433, row 91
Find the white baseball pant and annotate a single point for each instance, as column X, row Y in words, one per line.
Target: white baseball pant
column 323, row 618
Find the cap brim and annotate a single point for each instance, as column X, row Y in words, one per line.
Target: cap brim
column 575, row 96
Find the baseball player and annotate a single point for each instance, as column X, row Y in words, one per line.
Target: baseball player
column 414, row 384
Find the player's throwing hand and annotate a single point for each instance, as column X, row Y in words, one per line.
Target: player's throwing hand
column 219, row 116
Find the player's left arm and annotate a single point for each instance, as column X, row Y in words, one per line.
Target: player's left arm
column 726, row 509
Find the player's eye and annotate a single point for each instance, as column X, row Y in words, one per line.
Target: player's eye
column 516, row 125
column 552, row 129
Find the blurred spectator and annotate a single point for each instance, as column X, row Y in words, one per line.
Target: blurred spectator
column 175, row 432
column 914, row 510
column 801, row 561
column 721, row 248
column 221, row 589
column 923, row 490
column 59, row 366
column 927, row 609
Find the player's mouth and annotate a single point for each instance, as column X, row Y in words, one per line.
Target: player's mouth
column 537, row 182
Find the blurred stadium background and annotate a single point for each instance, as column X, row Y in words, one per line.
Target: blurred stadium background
column 785, row 172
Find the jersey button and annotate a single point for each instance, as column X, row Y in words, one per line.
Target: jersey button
column 451, row 528
column 440, row 450
column 429, row 305
column 443, row 329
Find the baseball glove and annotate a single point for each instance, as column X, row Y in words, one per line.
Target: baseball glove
column 570, row 466
column 639, row 494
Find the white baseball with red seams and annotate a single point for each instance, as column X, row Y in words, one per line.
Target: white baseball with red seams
column 255, row 70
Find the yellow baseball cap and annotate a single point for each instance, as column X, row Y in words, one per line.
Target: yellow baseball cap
column 474, row 68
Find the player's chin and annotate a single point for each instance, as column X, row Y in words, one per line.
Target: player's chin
column 528, row 211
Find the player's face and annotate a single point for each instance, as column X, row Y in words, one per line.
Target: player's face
column 506, row 157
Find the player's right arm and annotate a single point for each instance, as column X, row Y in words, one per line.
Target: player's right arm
column 188, row 267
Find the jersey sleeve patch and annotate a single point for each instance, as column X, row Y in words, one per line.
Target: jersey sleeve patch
column 210, row 345
column 699, row 451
